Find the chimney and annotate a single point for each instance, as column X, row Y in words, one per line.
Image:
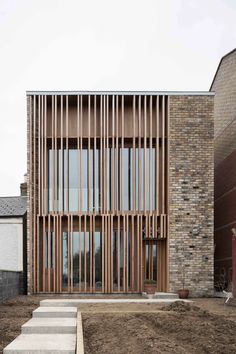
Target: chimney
column 23, row 186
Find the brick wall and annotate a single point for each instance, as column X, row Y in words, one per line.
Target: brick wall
column 224, row 86
column 191, row 194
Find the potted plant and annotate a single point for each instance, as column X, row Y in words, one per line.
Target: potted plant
column 184, row 292
column 150, row 286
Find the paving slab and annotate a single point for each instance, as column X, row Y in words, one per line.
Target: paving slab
column 42, row 343
column 77, row 302
column 49, row 325
column 54, row 312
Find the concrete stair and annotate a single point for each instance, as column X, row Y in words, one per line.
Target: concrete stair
column 42, row 343
column 54, row 312
column 51, row 330
column 49, row 325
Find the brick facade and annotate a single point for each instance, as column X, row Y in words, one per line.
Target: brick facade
column 224, row 86
column 191, row 193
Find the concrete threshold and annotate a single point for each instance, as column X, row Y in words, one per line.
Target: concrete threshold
column 77, row 302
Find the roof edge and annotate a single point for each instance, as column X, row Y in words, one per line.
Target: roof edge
column 125, row 93
column 219, row 66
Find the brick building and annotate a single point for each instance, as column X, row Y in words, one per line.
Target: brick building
column 224, row 86
column 120, row 191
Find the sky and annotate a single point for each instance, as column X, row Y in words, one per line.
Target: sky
column 102, row 45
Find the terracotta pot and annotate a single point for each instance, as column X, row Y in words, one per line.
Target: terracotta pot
column 150, row 288
column 183, row 293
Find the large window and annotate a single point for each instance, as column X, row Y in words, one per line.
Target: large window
column 75, row 180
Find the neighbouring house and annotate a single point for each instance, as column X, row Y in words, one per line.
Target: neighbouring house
column 120, row 191
column 13, row 245
column 224, row 86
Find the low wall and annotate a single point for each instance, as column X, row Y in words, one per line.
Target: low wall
column 11, row 284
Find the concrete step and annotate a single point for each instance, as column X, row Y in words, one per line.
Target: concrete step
column 49, row 325
column 54, row 312
column 164, row 296
column 42, row 343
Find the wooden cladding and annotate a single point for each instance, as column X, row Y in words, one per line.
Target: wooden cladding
column 98, row 188
column 105, row 253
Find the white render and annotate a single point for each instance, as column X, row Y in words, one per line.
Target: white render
column 11, row 243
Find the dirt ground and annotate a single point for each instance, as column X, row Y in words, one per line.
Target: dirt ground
column 204, row 326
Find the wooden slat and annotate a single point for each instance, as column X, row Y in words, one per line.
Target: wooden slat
column 139, row 155
column 94, row 153
column 163, row 158
column 34, row 196
column 145, row 152
column 88, row 152
column 103, row 257
column 134, row 158
column 150, row 156
column 111, row 254
column 49, row 254
column 118, row 252
column 71, row 252
column 93, row 254
column 38, row 245
column 85, row 264
column 157, row 155
column 124, row 253
column 43, row 258
column 62, row 154
column 78, row 149
column 67, row 156
column 122, row 153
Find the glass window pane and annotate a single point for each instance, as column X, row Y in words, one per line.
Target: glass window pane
column 84, row 179
column 64, row 259
column 97, row 180
column 59, row 179
column 87, row 241
column 50, row 181
column 91, row 195
column 98, row 259
column 73, row 180
column 75, row 253
column 139, row 177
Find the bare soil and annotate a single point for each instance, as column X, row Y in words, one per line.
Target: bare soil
column 176, row 328
column 205, row 326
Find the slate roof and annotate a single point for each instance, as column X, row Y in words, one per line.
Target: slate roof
column 13, row 206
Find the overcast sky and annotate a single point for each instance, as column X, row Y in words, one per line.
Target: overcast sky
column 102, row 45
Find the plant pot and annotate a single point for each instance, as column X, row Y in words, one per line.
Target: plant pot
column 150, row 288
column 183, row 293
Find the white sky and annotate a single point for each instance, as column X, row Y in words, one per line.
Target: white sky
column 102, row 44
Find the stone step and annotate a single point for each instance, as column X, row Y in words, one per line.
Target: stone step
column 54, row 312
column 49, row 326
column 42, row 343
